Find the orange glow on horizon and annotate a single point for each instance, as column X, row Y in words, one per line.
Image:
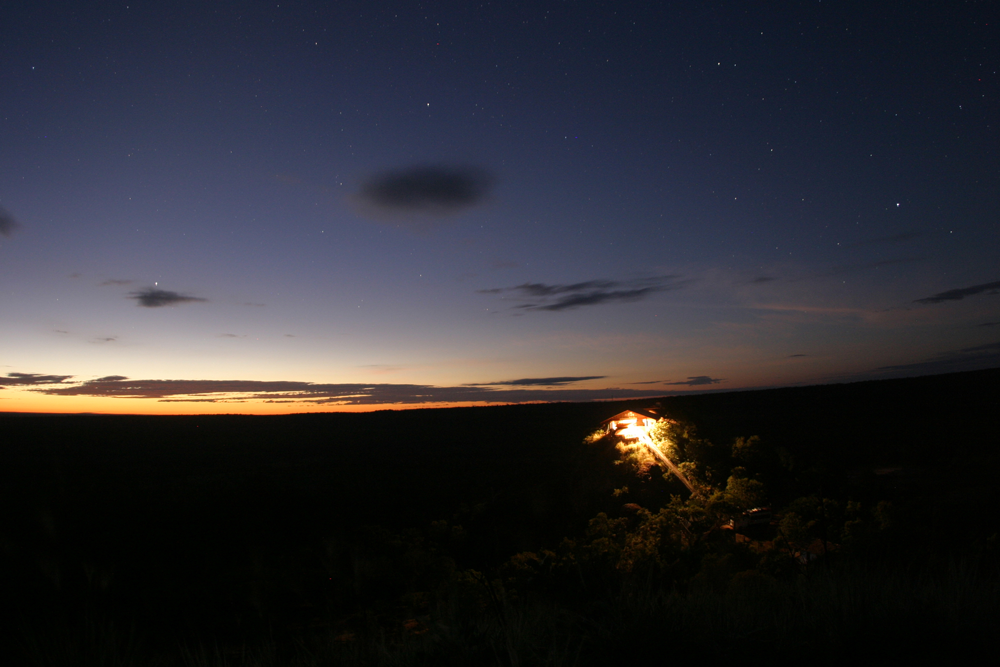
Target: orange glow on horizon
column 35, row 403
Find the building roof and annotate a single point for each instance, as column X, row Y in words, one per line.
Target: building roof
column 628, row 414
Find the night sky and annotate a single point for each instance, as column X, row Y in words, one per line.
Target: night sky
column 298, row 206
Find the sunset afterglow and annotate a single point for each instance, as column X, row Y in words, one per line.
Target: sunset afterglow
column 336, row 206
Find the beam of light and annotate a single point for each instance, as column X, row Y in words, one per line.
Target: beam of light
column 645, row 439
column 638, row 430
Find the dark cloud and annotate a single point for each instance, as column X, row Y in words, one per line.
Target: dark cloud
column 337, row 394
column 697, row 381
column 961, row 293
column 104, row 339
column 31, row 379
column 231, row 335
column 542, row 290
column 594, row 298
column 547, row 382
column 158, row 298
column 760, row 280
column 434, row 190
column 116, row 281
column 649, row 382
column 793, row 356
column 8, row 225
column 988, row 324
column 541, row 296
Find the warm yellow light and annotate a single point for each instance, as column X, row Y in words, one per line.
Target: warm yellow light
column 632, row 432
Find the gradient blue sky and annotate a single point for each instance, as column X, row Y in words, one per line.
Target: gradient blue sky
column 283, row 207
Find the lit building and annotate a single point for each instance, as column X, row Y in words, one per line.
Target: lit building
column 631, row 424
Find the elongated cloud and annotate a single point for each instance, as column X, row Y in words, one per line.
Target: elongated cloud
column 538, row 382
column 223, row 391
column 961, row 293
column 31, row 379
column 158, row 298
column 427, row 189
column 7, row 223
column 697, row 381
column 554, row 298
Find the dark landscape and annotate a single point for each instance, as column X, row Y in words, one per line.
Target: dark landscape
column 510, row 535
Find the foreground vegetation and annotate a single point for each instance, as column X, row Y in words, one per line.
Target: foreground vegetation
column 827, row 618
column 498, row 536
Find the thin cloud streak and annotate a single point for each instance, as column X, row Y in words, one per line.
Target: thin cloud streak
column 555, row 298
column 696, row 381
column 961, row 293
column 31, row 379
column 540, row 382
